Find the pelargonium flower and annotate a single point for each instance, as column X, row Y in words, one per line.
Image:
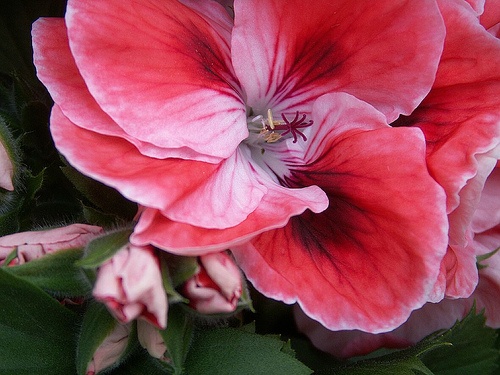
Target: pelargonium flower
column 460, row 118
column 266, row 134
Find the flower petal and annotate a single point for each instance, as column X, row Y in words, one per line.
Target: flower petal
column 215, row 195
column 57, row 70
column 274, row 211
column 460, row 116
column 161, row 71
column 287, row 54
column 386, row 220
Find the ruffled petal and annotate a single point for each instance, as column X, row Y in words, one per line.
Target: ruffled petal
column 386, row 221
column 286, row 54
column 460, row 117
column 487, row 214
column 57, row 70
column 430, row 318
column 274, row 211
column 161, row 71
column 214, row 195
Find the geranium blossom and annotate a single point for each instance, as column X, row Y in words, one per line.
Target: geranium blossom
column 267, row 135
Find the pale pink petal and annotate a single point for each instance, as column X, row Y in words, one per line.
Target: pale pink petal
column 57, row 70
column 150, row 339
column 487, row 214
column 161, row 71
column 222, row 270
column 210, row 195
column 206, row 299
column 6, row 169
column 274, row 211
column 286, row 54
column 476, row 5
column 343, row 344
column 131, row 286
column 110, row 350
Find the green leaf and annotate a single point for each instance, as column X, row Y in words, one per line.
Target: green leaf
column 177, row 337
column 55, row 273
column 103, row 248
column 471, row 351
column 232, row 351
column 36, row 332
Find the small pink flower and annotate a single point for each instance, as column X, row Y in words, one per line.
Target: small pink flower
column 110, row 350
column 35, row 244
column 216, row 288
column 6, row 169
column 131, row 286
column 150, row 339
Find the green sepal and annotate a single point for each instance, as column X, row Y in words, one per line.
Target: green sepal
column 37, row 333
column 168, row 285
column 177, row 337
column 180, row 268
column 56, row 273
column 102, row 248
column 97, row 324
column 483, row 257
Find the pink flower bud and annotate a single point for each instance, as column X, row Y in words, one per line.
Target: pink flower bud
column 150, row 339
column 110, row 350
column 6, row 169
column 131, row 286
column 35, row 244
column 216, row 288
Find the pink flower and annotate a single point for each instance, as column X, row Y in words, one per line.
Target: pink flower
column 131, row 286
column 216, row 288
column 460, row 118
column 110, row 350
column 6, row 169
column 35, row 244
column 267, row 135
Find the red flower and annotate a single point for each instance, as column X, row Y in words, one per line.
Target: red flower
column 192, row 116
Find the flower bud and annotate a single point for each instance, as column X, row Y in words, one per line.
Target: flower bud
column 35, row 244
column 6, row 169
column 151, row 340
column 131, row 286
column 216, row 288
column 110, row 350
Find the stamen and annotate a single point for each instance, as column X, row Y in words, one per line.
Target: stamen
column 289, row 126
